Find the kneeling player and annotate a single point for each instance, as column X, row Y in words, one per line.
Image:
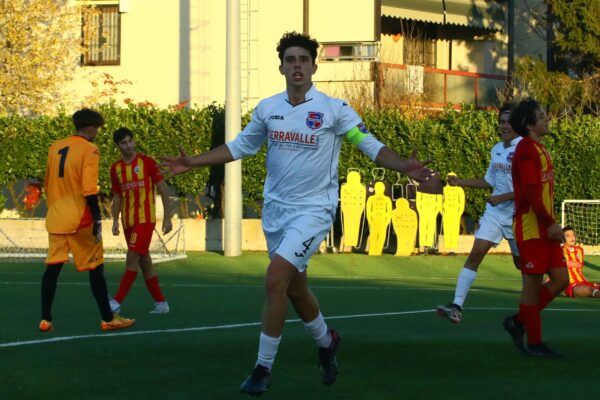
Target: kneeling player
column 135, row 179
column 578, row 285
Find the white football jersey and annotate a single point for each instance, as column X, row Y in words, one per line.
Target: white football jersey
column 303, row 146
column 499, row 176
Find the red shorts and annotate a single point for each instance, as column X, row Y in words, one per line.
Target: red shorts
column 569, row 290
column 537, row 256
column 139, row 237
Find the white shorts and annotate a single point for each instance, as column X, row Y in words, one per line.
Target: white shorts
column 492, row 230
column 295, row 232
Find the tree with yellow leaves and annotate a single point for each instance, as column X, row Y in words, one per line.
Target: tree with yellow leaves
column 40, row 48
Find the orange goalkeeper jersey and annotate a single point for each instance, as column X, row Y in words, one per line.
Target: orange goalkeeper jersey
column 71, row 174
column 136, row 183
column 574, row 257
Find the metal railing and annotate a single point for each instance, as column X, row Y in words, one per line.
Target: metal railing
column 440, row 86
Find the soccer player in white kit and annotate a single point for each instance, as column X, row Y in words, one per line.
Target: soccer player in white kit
column 304, row 130
column 496, row 222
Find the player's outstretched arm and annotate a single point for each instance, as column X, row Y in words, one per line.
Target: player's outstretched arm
column 500, row 198
column 478, row 183
column 412, row 167
column 183, row 163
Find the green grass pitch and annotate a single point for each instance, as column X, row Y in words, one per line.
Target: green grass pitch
column 394, row 345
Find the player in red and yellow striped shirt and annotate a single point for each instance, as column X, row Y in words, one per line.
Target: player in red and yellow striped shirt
column 537, row 234
column 135, row 179
column 73, row 220
column 578, row 285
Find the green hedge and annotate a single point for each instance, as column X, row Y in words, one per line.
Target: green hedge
column 25, row 141
column 457, row 141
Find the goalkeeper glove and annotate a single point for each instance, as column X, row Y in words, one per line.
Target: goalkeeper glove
column 97, row 230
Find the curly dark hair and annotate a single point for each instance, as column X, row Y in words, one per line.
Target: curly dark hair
column 523, row 115
column 295, row 39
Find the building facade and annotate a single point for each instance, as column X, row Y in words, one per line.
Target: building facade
column 172, row 52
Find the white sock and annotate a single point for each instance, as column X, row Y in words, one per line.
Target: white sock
column 318, row 330
column 465, row 280
column 267, row 350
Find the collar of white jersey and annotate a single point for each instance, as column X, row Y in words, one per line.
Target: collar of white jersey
column 515, row 140
column 308, row 96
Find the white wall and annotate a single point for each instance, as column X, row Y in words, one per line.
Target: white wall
column 342, row 20
column 174, row 50
column 149, row 55
column 264, row 23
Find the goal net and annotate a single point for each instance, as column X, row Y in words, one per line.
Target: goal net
column 584, row 217
column 25, row 239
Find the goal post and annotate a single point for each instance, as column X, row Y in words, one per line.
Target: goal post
column 584, row 217
column 26, row 239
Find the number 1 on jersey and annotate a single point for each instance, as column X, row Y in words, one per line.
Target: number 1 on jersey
column 63, row 156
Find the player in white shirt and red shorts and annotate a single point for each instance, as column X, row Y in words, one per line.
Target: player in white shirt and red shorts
column 304, row 130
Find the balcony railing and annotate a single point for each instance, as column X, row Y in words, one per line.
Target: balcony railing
column 438, row 87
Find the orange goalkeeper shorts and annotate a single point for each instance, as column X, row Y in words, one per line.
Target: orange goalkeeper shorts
column 87, row 254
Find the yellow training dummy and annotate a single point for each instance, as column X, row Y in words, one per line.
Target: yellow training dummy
column 379, row 215
column 454, row 205
column 428, row 206
column 405, row 223
column 353, row 197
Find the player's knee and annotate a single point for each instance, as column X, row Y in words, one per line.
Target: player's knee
column 563, row 282
column 98, row 271
column 53, row 269
column 582, row 291
column 275, row 286
column 296, row 293
column 475, row 258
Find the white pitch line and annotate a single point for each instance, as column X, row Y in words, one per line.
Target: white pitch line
column 193, row 329
column 199, row 285
column 359, row 278
column 248, row 324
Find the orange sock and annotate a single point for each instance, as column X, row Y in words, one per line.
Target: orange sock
column 154, row 289
column 126, row 283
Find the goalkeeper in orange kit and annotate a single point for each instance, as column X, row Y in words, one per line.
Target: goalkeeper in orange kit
column 73, row 221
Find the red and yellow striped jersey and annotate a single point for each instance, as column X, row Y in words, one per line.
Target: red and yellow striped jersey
column 574, row 257
column 136, row 183
column 71, row 174
column 532, row 172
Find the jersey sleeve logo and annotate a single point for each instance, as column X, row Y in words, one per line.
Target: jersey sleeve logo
column 314, row 120
column 361, row 127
